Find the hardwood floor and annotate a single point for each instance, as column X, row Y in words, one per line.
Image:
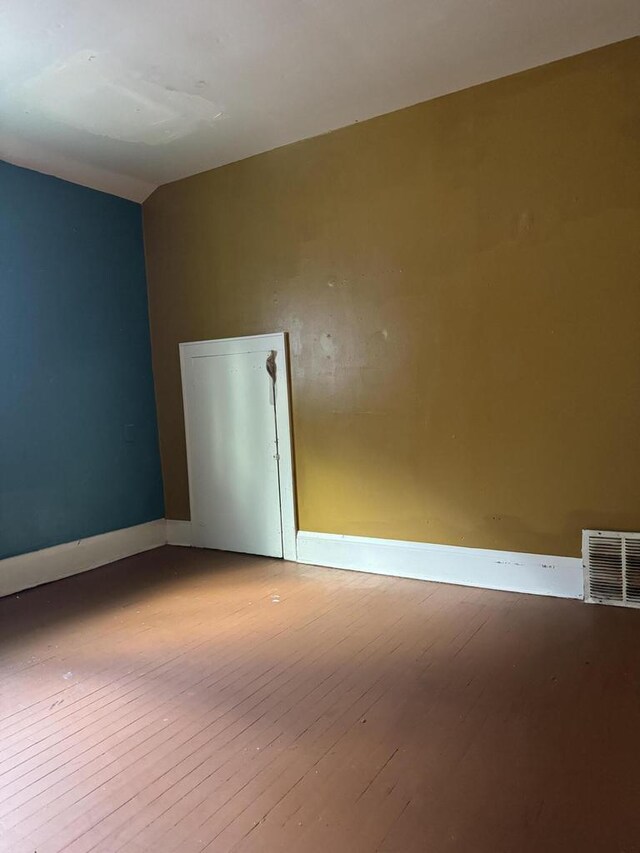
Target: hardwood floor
column 185, row 700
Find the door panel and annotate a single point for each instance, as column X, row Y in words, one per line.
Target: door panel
column 233, row 454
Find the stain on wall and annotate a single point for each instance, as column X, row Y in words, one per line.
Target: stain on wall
column 460, row 283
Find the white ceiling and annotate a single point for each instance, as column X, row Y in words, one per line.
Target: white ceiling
column 125, row 95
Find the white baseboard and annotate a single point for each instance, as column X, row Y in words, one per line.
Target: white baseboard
column 50, row 564
column 178, row 532
column 505, row 570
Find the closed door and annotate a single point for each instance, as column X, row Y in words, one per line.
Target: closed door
column 233, row 452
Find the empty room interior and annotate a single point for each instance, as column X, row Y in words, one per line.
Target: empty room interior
column 319, row 426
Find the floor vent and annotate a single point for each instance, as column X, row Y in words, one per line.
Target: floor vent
column 611, row 563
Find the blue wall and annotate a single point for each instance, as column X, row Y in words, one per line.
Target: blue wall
column 78, row 434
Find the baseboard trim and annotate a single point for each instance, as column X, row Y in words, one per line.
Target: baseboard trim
column 503, row 570
column 510, row 571
column 178, row 532
column 60, row 561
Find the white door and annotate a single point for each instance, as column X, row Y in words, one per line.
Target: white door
column 233, row 452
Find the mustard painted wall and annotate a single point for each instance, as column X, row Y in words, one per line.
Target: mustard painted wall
column 461, row 285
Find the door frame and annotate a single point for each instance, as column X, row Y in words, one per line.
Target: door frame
column 278, row 342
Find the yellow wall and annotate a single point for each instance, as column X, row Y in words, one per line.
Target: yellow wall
column 461, row 284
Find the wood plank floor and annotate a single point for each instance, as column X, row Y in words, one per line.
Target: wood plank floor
column 185, row 700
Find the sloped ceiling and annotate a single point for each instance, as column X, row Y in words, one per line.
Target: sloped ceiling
column 126, row 95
